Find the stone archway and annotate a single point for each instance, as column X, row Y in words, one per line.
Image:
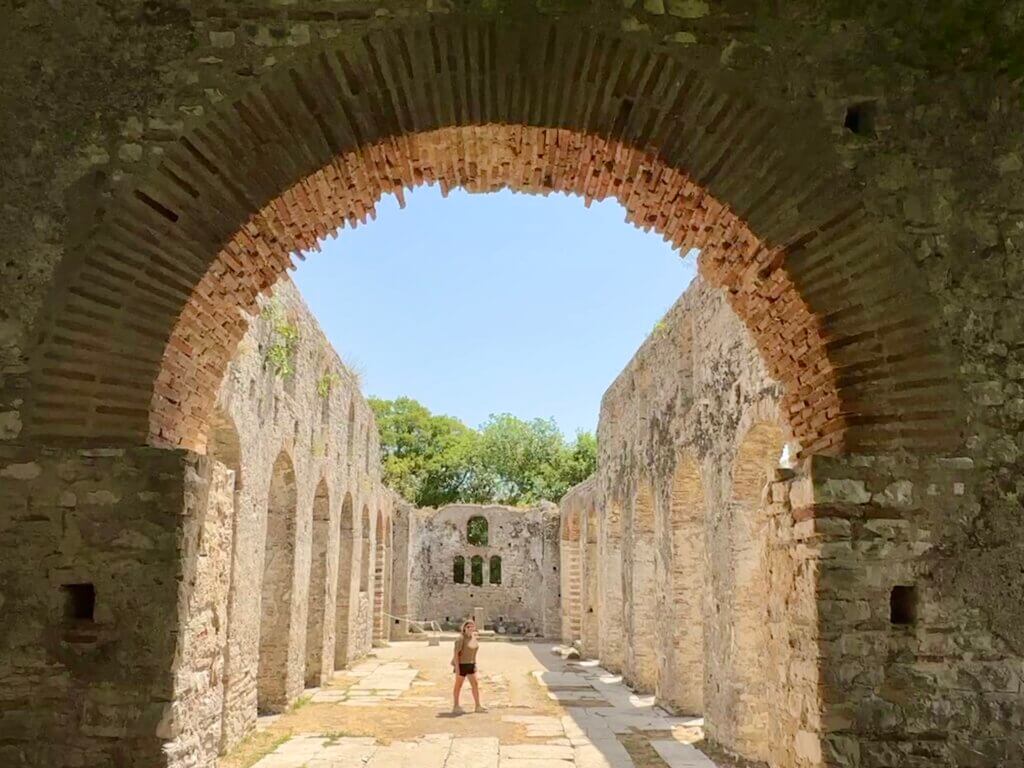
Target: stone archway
column 591, row 608
column 747, row 733
column 571, row 577
column 380, row 568
column 681, row 679
column 316, row 603
column 611, row 585
column 641, row 585
column 346, row 583
column 832, row 305
column 277, row 686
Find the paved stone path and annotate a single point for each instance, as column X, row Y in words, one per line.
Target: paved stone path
column 589, row 711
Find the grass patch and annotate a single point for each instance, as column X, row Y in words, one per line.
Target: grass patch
column 253, row 749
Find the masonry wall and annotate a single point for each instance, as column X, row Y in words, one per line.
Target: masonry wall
column 224, row 584
column 308, row 486
column 779, row 580
column 102, row 687
column 525, row 539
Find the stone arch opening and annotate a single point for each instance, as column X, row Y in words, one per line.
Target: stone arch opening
column 379, row 580
column 612, row 586
column 275, row 689
column 828, row 298
column 641, row 579
column 365, row 551
column 571, row 589
column 494, row 570
column 477, row 531
column 346, row 582
column 318, row 600
column 682, row 676
column 459, row 570
column 591, row 609
column 225, row 448
column 746, row 729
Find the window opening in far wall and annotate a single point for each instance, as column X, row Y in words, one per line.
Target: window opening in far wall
column 477, row 571
column 459, row 570
column 477, row 531
column 495, row 569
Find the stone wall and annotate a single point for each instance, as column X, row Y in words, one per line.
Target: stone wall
column 98, row 557
column 523, row 541
column 310, row 513
column 223, row 584
column 794, row 603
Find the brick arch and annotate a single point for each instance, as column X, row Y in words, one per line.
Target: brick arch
column 144, row 323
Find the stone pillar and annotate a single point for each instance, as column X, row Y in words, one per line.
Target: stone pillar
column 111, row 646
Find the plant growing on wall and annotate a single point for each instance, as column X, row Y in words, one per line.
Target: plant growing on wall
column 326, row 382
column 285, row 341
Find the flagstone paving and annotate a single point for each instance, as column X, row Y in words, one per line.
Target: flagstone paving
column 394, row 711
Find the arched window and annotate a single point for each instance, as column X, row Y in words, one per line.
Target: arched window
column 477, row 571
column 459, row 570
column 476, row 531
column 495, row 569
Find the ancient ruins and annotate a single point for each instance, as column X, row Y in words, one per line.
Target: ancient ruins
column 805, row 527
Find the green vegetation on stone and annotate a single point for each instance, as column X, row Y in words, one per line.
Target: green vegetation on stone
column 433, row 460
column 285, row 341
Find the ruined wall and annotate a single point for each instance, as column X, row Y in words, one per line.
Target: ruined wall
column 798, row 601
column 216, row 578
column 307, row 460
column 526, row 541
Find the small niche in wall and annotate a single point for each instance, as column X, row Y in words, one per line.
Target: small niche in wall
column 860, row 118
column 79, row 602
column 903, row 606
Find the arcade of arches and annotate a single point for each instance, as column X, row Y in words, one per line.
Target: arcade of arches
column 805, row 524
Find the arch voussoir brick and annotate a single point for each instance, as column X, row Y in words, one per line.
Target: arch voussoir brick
column 313, row 145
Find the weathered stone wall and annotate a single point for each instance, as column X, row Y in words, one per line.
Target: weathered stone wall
column 310, row 505
column 217, row 578
column 780, row 582
column 103, row 688
column 526, row 600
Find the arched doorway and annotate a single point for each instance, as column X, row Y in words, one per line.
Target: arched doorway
column 681, row 681
column 275, row 686
column 591, row 622
column 758, row 454
column 379, row 581
column 641, row 611
column 610, row 584
column 396, row 108
column 571, row 587
column 225, row 448
column 316, row 606
column 346, row 583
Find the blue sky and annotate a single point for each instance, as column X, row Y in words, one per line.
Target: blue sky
column 480, row 304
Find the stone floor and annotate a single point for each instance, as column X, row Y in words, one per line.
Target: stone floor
column 394, row 711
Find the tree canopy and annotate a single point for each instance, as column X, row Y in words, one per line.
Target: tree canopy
column 433, row 460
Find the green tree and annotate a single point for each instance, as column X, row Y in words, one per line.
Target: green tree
column 433, row 460
column 425, row 457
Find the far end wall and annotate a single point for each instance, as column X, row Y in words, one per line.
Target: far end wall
column 523, row 599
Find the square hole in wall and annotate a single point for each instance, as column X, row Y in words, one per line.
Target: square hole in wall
column 860, row 118
column 79, row 602
column 903, row 605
